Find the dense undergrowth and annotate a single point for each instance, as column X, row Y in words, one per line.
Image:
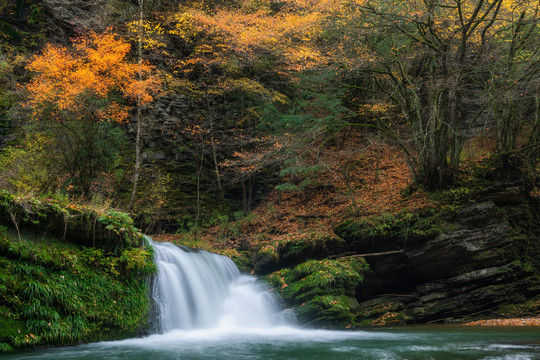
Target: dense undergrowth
column 55, row 290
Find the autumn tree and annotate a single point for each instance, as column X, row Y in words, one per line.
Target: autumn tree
column 428, row 60
column 231, row 72
column 512, row 83
column 80, row 93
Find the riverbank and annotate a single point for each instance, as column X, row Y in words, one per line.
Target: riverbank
column 56, row 288
column 506, row 322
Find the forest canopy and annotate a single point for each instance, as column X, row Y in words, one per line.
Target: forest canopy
column 235, row 99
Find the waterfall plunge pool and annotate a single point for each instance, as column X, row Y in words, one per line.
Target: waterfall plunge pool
column 283, row 343
column 206, row 309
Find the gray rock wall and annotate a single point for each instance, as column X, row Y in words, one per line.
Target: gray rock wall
column 485, row 257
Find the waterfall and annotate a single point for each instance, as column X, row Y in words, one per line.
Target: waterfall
column 195, row 289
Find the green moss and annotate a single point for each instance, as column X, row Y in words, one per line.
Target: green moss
column 270, row 250
column 240, row 258
column 383, row 312
column 299, row 246
column 397, row 227
column 327, row 310
column 319, row 290
column 529, row 308
column 59, row 293
column 83, row 225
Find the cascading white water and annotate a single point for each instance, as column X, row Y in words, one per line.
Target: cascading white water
column 195, row 289
column 209, row 311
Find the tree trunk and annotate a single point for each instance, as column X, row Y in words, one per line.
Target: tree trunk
column 138, row 130
column 214, row 152
column 199, row 170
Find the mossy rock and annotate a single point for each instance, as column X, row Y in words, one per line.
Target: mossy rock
column 382, row 312
column 333, row 311
column 529, row 308
column 107, row 229
column 388, row 232
column 321, row 292
column 240, row 258
column 309, row 244
column 294, row 249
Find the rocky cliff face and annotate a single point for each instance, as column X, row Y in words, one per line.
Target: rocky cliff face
column 485, row 257
column 70, row 17
column 163, row 128
column 467, row 262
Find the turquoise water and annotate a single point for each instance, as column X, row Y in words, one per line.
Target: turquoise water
column 217, row 313
column 416, row 342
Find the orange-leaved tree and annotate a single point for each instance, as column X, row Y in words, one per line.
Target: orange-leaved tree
column 80, row 93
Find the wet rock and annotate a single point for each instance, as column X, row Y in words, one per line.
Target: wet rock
column 485, row 258
column 265, row 263
column 417, row 312
column 383, row 311
column 371, row 286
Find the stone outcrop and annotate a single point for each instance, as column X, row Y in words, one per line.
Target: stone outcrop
column 295, row 251
column 109, row 230
column 71, row 17
column 485, row 257
column 478, row 259
column 321, row 292
column 163, row 128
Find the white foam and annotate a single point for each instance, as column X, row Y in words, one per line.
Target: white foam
column 200, row 290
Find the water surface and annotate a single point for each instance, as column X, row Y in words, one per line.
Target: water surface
column 415, row 342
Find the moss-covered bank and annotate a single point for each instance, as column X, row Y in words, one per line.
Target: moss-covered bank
column 322, row 292
column 54, row 291
column 83, row 225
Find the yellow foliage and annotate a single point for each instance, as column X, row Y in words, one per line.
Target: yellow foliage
column 150, row 33
column 246, row 32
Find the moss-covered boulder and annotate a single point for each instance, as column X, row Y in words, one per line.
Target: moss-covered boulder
column 383, row 311
column 388, row 232
column 83, row 225
column 321, row 292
